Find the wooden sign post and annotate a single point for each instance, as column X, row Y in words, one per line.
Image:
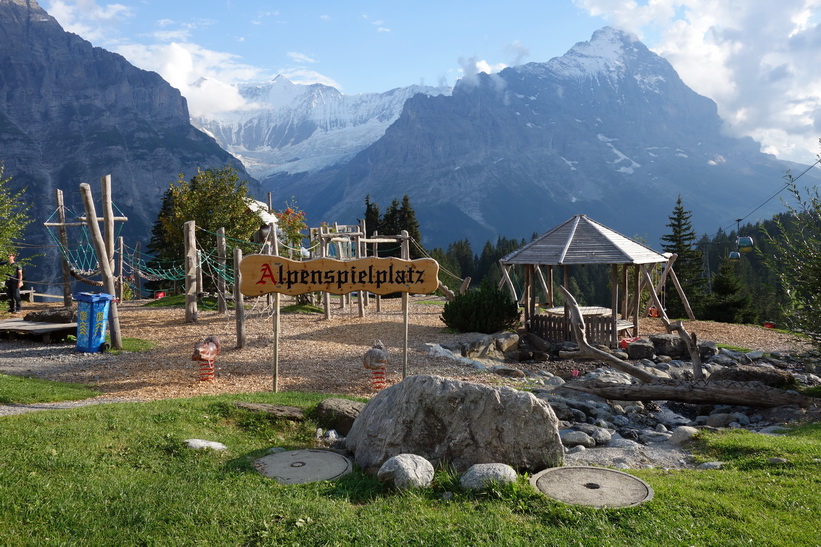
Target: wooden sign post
column 263, row 274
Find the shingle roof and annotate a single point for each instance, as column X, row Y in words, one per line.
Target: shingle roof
column 582, row 240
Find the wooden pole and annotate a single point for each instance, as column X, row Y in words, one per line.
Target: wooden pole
column 222, row 306
column 189, row 229
column 103, row 260
column 363, row 252
column 637, row 285
column 61, row 217
column 121, row 276
column 405, row 306
column 614, row 303
column 239, row 303
column 277, row 296
column 137, row 279
column 108, row 219
column 326, row 296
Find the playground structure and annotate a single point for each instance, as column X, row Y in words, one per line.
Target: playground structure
column 103, row 247
column 338, row 243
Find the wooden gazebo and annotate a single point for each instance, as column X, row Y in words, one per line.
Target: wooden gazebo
column 583, row 241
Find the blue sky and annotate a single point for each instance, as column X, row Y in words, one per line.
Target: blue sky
column 757, row 59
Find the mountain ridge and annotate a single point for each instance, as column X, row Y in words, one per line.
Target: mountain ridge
column 71, row 113
column 616, row 137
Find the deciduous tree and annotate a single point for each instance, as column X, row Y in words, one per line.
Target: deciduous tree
column 13, row 218
column 796, row 258
column 213, row 198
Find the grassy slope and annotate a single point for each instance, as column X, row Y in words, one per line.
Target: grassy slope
column 120, row 474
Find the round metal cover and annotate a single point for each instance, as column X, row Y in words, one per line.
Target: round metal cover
column 301, row 466
column 594, row 486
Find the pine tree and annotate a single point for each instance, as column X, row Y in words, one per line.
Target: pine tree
column 397, row 217
column 689, row 265
column 730, row 301
column 372, row 217
column 408, row 222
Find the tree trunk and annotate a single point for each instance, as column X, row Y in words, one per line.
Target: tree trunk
column 586, row 350
column 731, row 393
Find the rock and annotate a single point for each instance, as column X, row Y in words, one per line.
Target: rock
column 711, row 465
column 457, row 422
column 293, row 413
column 406, row 471
column 769, row 376
column 683, row 434
column 669, row 344
column 598, row 434
column 707, row 349
column 507, row 372
column 506, row 341
column 482, row 475
column 721, row 419
column 576, row 438
column 653, row 437
column 723, row 360
column 554, row 381
column 338, row 414
column 474, row 345
column 640, row 349
column 199, row 444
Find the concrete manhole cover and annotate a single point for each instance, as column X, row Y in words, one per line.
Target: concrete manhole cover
column 301, row 466
column 594, row 486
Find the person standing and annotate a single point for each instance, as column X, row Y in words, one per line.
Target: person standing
column 13, row 285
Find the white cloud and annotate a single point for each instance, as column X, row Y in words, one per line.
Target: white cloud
column 471, row 66
column 297, row 57
column 302, row 75
column 184, row 65
column 85, row 18
column 757, row 59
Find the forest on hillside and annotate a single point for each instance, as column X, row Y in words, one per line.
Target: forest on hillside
column 724, row 282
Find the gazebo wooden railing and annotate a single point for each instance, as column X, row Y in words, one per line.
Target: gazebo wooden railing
column 598, row 329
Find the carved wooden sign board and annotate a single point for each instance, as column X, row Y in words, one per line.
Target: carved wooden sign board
column 262, row 274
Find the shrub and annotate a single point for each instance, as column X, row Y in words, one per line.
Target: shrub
column 485, row 310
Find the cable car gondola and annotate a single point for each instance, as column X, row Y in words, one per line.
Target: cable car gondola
column 745, row 244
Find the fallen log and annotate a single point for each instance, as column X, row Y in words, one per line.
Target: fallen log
column 733, row 393
column 292, row 413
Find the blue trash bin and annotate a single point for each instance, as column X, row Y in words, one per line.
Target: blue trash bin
column 92, row 318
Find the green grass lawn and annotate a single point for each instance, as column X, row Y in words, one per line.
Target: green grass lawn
column 18, row 390
column 121, row 474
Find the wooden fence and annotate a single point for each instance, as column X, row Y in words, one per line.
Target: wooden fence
column 599, row 329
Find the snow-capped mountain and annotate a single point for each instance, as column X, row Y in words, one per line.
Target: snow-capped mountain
column 294, row 128
column 608, row 129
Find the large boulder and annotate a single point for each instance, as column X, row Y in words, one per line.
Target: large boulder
column 457, row 422
column 669, row 344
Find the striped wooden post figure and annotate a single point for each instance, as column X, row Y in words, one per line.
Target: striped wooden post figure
column 205, row 352
column 376, row 360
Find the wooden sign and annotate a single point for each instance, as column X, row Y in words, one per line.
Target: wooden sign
column 262, row 274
